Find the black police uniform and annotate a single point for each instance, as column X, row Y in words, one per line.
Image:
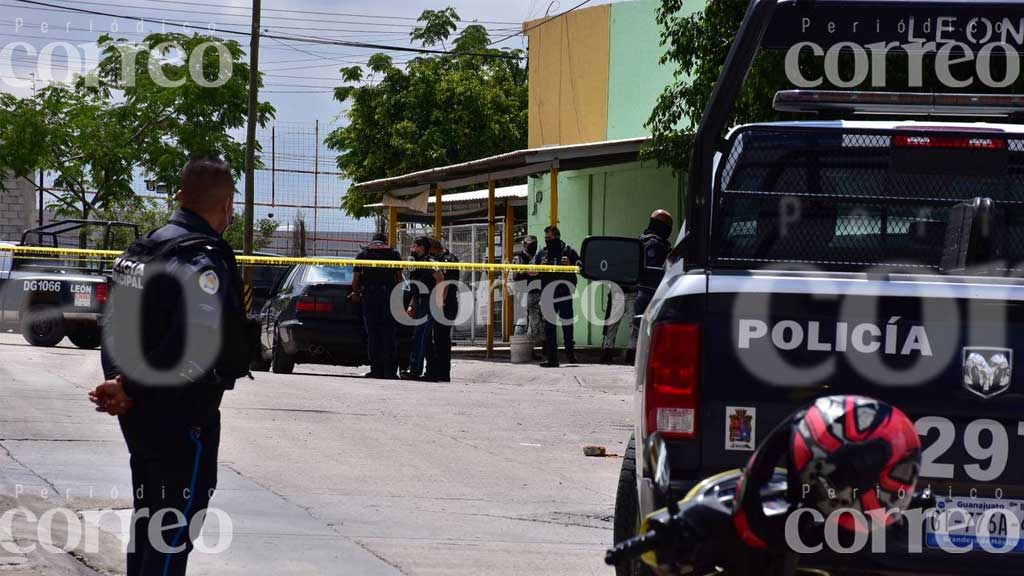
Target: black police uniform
column 377, row 284
column 656, row 250
column 422, row 283
column 552, row 254
column 180, row 286
column 439, row 365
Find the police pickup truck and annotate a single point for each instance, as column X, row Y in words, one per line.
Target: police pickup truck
column 48, row 297
column 844, row 255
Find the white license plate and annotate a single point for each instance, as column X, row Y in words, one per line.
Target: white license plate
column 964, row 521
column 83, row 300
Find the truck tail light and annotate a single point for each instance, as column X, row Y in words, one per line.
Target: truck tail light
column 673, row 374
column 102, row 291
column 314, row 305
column 972, row 143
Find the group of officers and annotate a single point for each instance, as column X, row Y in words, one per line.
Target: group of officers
column 431, row 347
column 182, row 279
column 433, row 308
column 655, row 240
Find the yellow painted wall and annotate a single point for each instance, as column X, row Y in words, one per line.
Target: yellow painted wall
column 568, row 80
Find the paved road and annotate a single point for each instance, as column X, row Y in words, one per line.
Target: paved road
column 323, row 473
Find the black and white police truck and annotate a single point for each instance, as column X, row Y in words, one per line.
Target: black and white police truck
column 48, row 297
column 848, row 254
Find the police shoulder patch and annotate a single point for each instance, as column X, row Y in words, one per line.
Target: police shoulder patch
column 209, row 282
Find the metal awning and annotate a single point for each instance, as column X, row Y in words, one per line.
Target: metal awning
column 509, row 165
column 461, row 199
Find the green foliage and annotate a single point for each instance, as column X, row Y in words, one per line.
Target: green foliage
column 439, row 110
column 98, row 132
column 262, row 233
column 150, row 214
column 697, row 44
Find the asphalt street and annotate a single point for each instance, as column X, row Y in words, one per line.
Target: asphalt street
column 325, row 473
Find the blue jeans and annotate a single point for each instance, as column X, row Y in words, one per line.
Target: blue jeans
column 422, row 338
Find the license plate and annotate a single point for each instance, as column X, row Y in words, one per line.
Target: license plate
column 83, row 300
column 962, row 522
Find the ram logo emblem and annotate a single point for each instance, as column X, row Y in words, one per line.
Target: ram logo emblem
column 987, row 371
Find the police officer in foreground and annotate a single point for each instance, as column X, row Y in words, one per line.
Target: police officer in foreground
column 439, row 364
column 373, row 288
column 175, row 339
column 422, row 281
column 656, row 249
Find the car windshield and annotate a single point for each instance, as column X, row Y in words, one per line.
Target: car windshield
column 329, row 275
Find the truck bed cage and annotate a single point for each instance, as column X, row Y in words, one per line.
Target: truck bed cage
column 779, row 25
column 54, row 230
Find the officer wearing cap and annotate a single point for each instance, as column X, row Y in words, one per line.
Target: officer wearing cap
column 373, row 288
column 175, row 339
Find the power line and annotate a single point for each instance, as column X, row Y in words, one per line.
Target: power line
column 376, row 34
column 306, row 39
column 312, row 12
column 343, row 58
column 545, row 21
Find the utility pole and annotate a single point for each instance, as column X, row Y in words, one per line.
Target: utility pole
column 250, row 145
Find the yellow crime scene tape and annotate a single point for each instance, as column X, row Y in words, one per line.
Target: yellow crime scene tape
column 45, row 252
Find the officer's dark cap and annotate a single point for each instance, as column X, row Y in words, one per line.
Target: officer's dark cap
column 554, row 231
column 422, row 241
column 380, row 237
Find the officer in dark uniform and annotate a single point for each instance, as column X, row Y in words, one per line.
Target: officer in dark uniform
column 175, row 339
column 439, row 366
column 557, row 253
column 656, row 249
column 373, row 288
column 422, row 282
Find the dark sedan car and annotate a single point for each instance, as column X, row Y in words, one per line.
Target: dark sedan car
column 308, row 319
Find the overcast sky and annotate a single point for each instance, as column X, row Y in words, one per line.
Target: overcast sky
column 299, row 75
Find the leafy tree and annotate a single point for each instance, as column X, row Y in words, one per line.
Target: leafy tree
column 96, row 134
column 438, row 110
column 149, row 214
column 697, row 43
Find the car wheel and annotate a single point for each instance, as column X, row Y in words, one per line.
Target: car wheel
column 43, row 325
column 280, row 361
column 85, row 337
column 627, row 512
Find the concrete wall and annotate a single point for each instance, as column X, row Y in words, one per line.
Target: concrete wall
column 17, row 208
column 613, row 201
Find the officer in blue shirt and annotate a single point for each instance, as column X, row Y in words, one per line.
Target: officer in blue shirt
column 175, row 339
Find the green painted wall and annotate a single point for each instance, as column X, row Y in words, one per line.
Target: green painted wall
column 635, row 78
column 617, row 200
column 614, row 201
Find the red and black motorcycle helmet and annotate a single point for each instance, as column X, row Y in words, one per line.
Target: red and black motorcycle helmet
column 841, row 453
